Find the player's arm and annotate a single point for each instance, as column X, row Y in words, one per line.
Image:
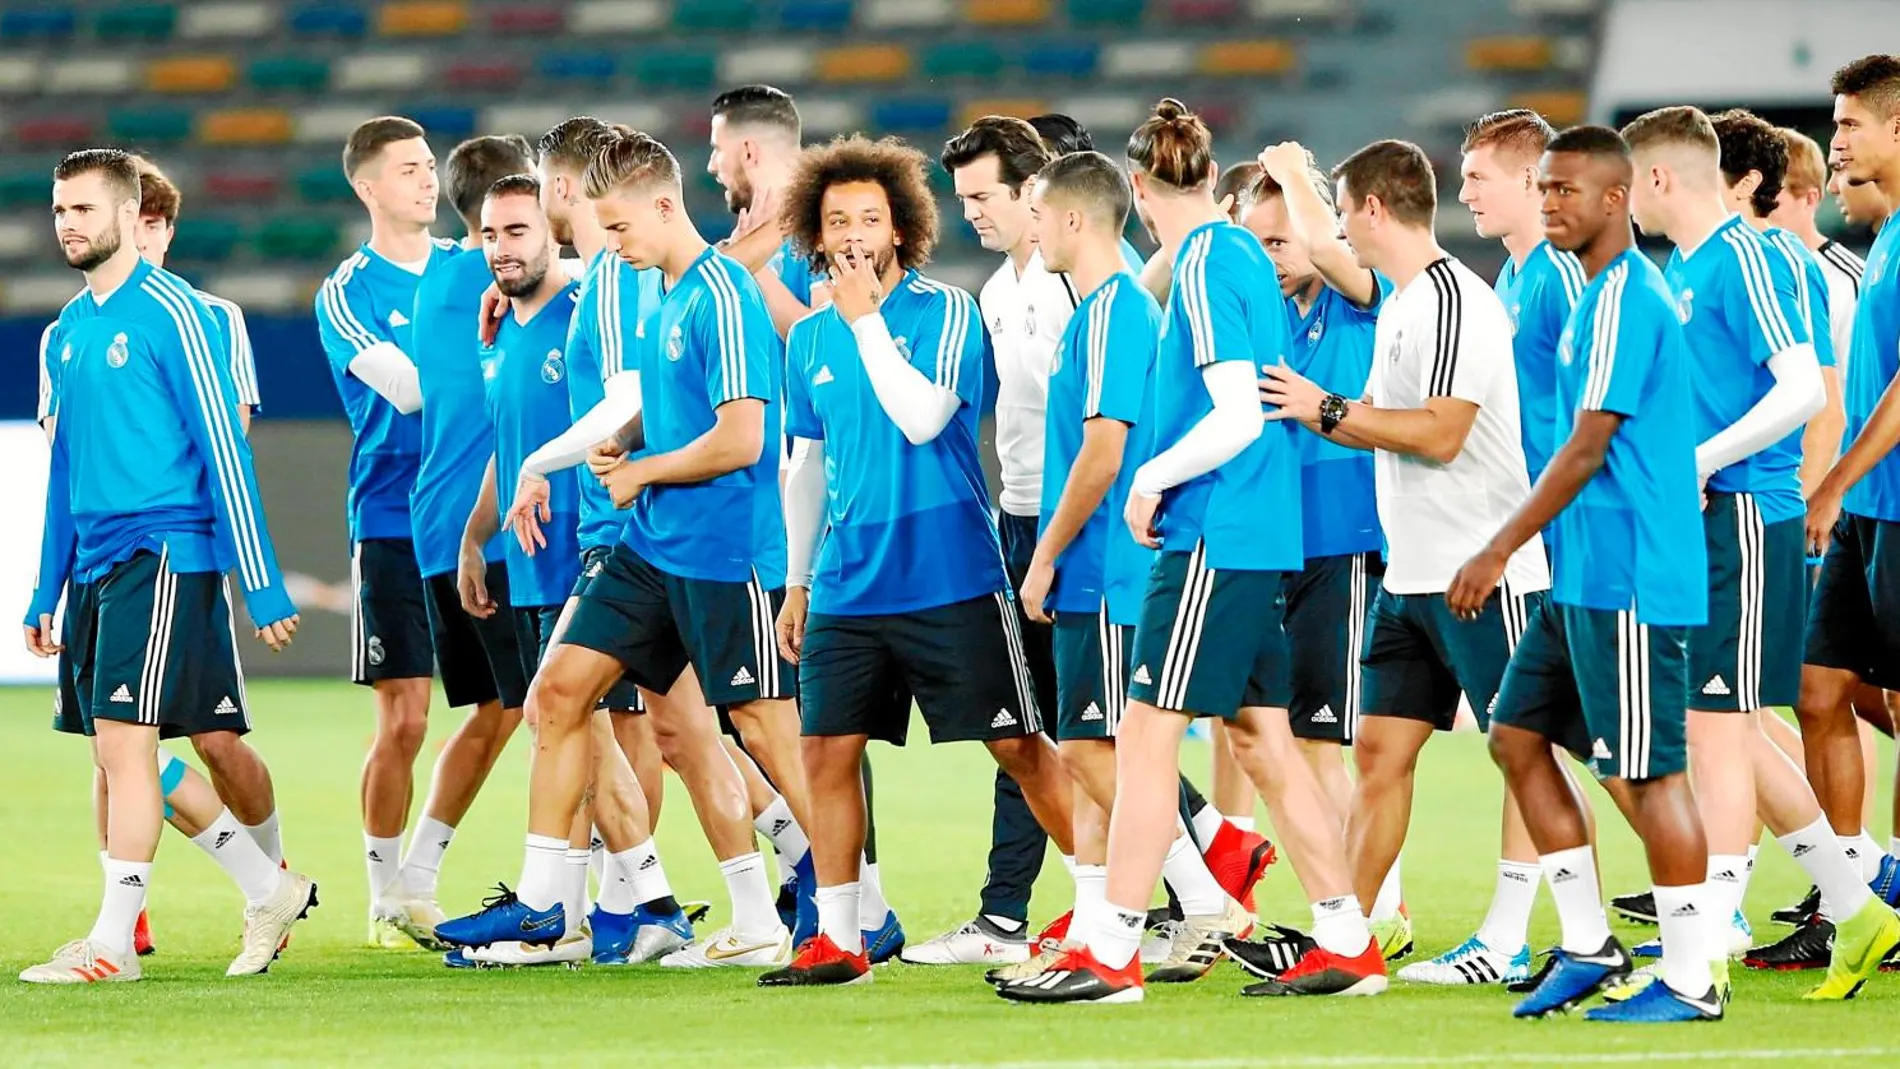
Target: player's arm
column 471, row 563
column 57, row 542
column 1092, row 475
column 48, row 412
column 1315, row 226
column 735, row 440
column 204, row 396
column 1157, row 275
column 237, row 343
column 921, row 405
column 804, row 519
column 353, row 340
column 1821, row 441
column 780, row 301
column 1778, row 338
column 1876, row 439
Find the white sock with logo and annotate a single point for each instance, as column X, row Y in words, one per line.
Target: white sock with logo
column 428, row 841
column 240, row 857
column 383, row 856
column 1683, row 915
column 1506, row 926
column 1819, row 853
column 1339, row 925
column 777, row 824
column 125, row 886
column 1723, row 892
column 1572, row 875
column 1864, row 852
column 1114, row 937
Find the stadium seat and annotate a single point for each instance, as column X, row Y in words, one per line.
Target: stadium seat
column 483, row 74
column 151, row 125
column 715, row 16
column 1500, row 54
column 591, row 17
column 329, row 19
column 1020, row 107
column 528, row 120
column 681, row 68
column 330, row 125
column 775, row 64
column 191, row 74
column 236, row 18
column 815, row 15
column 136, row 22
column 205, row 238
column 521, row 21
column 298, row 238
column 963, row 59
column 864, row 63
column 98, row 74
column 1202, row 12
column 324, row 184
column 19, row 75
column 240, row 186
column 1290, row 10
column 422, row 18
column 381, row 70
column 20, row 239
column 824, row 116
column 905, row 14
column 245, row 126
column 298, row 73
column 61, row 132
column 1116, row 13
column 1058, row 58
column 1255, row 58
column 910, row 115
column 445, row 123
column 1006, row 12
column 1148, row 59
column 32, row 188
column 1561, row 107
column 576, row 66
column 25, row 25
column 1113, row 114
column 1556, row 9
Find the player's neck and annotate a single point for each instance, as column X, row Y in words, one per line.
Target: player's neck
column 1096, row 263
column 1761, row 223
column 1809, row 234
column 1413, row 250
column 525, row 308
column 402, row 243
column 1020, row 253
column 1177, row 217
column 1602, row 252
column 1696, row 219
column 1520, row 243
column 105, row 280
column 1308, row 295
column 685, row 248
column 589, row 237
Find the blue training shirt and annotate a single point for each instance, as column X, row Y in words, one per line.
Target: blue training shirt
column 613, row 299
column 795, row 272
column 1102, row 367
column 524, row 383
column 457, row 437
column 1332, row 345
column 149, row 453
column 1226, row 305
column 1875, row 358
column 710, row 343
column 1810, row 291
column 1633, row 537
column 367, row 301
column 1736, row 300
column 909, row 526
column 1539, row 296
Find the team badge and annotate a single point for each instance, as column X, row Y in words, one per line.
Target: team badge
column 375, row 652
column 117, row 353
column 1685, row 306
column 1516, row 311
column 1398, row 345
column 1029, row 321
column 675, row 344
column 1317, row 331
column 552, row 368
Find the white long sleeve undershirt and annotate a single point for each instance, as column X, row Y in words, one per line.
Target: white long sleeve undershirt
column 1798, row 393
column 804, row 509
column 1220, row 436
column 389, row 371
column 919, row 407
column 609, row 414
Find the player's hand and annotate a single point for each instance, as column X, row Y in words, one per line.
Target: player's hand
column 604, row 452
column 856, row 290
column 1824, row 511
column 494, row 306
column 1139, row 514
column 471, row 581
column 1035, row 589
column 39, row 640
column 1288, row 394
column 529, row 511
column 277, row 635
column 1473, row 584
column 623, row 482
column 1226, row 206
column 1285, row 162
column 791, row 623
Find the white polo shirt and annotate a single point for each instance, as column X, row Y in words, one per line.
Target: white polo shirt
column 1842, row 268
column 1446, row 334
column 1026, row 315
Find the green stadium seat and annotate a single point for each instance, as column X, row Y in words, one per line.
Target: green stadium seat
column 1106, row 12
column 715, row 16
column 146, row 126
column 680, row 68
column 21, row 189
column 324, row 184
column 205, row 238
column 303, row 74
column 298, row 238
column 963, row 59
column 136, row 22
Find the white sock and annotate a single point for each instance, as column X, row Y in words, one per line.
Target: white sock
column 781, row 829
column 1115, row 935
column 1339, row 925
column 428, row 841
column 1391, row 893
column 1723, row 892
column 1199, row 893
column 1506, row 927
column 119, row 906
column 1246, row 823
column 574, row 886
column 1572, row 875
column 1683, row 914
column 241, row 858
column 838, row 916
column 1207, row 822
column 1893, row 847
column 384, row 857
column 543, row 870
column 872, row 909
column 1068, row 864
column 268, row 838
column 633, row 877
column 597, row 857
column 751, row 894
column 1091, row 898
column 1816, row 850
column 1748, row 874
column 1862, row 850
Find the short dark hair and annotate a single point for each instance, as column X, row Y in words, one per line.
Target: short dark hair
column 1093, row 182
column 117, row 165
column 1062, row 134
column 759, row 105
column 1678, row 125
column 890, row 163
column 1875, row 80
column 1590, row 141
column 522, row 184
column 1750, row 143
column 371, row 136
column 630, row 162
column 1396, row 172
column 157, row 195
column 1235, row 181
column 1173, row 146
column 1018, row 148
column 476, row 164
column 1519, row 132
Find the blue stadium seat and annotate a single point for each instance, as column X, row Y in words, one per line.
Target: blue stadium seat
column 911, row 115
column 444, row 121
column 329, row 20
column 47, row 23
column 815, row 14
column 297, row 73
column 678, row 68
column 206, row 238
column 325, row 184
column 963, row 59
column 149, row 125
column 25, row 188
column 1061, row 59
column 577, row 66
column 715, row 16
column 1106, row 13
column 298, row 237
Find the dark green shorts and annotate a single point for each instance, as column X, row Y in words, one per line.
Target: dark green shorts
column 1328, row 611
column 1092, row 661
column 1613, row 691
column 389, row 623
column 623, row 696
column 1854, row 612
column 963, row 662
column 478, row 660
column 534, row 628
column 1210, row 643
column 147, row 645
column 1749, row 655
column 1420, row 657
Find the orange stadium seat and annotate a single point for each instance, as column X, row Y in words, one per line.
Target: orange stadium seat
column 1561, row 107
column 1267, row 56
column 1006, row 12
column 245, row 126
column 1508, row 54
column 1020, row 107
column 191, row 74
column 864, row 63
column 422, row 18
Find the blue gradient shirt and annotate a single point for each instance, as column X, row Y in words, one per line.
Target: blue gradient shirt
column 524, row 384
column 1332, row 345
column 1539, row 296
column 612, row 300
column 457, row 438
column 1876, row 356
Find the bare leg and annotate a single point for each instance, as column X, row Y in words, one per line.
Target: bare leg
column 1832, row 744
column 238, row 774
column 1386, row 752
column 1233, row 791
column 1032, row 762
column 402, row 720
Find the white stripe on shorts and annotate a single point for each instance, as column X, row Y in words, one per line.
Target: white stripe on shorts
column 1019, row 664
column 1751, row 540
column 158, row 641
column 1184, row 640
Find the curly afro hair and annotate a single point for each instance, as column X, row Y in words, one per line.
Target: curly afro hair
column 900, row 169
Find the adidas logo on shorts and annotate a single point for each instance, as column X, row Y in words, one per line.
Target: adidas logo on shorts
column 1142, row 676
column 1716, row 687
column 743, row 677
column 1599, row 751
column 1003, row 719
column 123, row 695
column 226, row 707
column 1325, row 716
column 1093, row 712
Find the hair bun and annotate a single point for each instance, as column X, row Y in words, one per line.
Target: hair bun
column 1171, row 110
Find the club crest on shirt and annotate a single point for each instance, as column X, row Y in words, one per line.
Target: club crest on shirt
column 1685, row 307
column 1029, row 321
column 675, row 344
column 552, row 367
column 1517, row 310
column 1398, row 345
column 1317, row 331
column 117, row 352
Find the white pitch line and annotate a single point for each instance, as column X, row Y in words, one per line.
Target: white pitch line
column 1342, row 1061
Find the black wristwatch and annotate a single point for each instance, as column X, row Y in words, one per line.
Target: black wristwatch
column 1331, row 411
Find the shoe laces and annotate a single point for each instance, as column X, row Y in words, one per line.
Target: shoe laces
column 1464, row 951
column 78, row 948
column 502, row 899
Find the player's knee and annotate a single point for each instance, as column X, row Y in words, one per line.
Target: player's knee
column 1511, row 747
column 1021, row 756
column 555, row 698
column 220, row 749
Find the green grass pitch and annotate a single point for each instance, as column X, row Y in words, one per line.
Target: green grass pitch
column 331, row 1001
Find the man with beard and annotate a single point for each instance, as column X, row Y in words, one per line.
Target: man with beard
column 756, row 138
